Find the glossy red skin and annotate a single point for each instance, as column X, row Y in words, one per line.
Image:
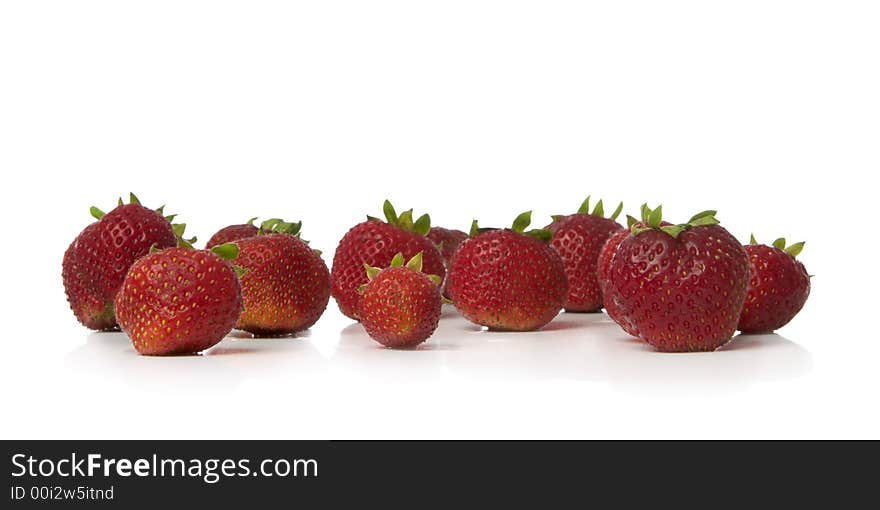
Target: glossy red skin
column 286, row 286
column 400, row 307
column 507, row 281
column 683, row 294
column 579, row 238
column 778, row 288
column 447, row 241
column 85, row 304
column 603, row 270
column 375, row 243
column 231, row 234
column 123, row 235
column 178, row 301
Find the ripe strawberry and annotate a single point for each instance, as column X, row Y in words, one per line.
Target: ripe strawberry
column 285, row 286
column 681, row 286
column 88, row 308
column 508, row 279
column 778, row 286
column 578, row 238
column 233, row 233
column 99, row 258
column 603, row 270
column 400, row 305
column 375, row 243
column 447, row 241
column 180, row 300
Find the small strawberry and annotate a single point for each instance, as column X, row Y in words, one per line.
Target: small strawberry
column 447, row 241
column 96, row 263
column 578, row 238
column 375, row 243
column 233, row 233
column 400, row 305
column 778, row 286
column 682, row 287
column 508, row 279
column 91, row 311
column 603, row 269
column 286, row 284
column 180, row 300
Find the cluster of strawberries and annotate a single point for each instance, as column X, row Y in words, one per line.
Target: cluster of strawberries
column 679, row 287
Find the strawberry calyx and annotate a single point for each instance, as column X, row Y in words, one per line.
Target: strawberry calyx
column 415, row 263
column 177, row 227
column 420, row 226
column 794, row 250
column 598, row 210
column 652, row 219
column 279, row 226
column 520, row 223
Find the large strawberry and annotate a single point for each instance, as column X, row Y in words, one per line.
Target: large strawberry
column 400, row 306
column 578, row 238
column 233, row 233
column 778, row 286
column 508, row 279
column 375, row 243
column 681, row 286
column 285, row 284
column 180, row 300
column 98, row 260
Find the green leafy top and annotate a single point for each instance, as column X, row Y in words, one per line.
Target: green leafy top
column 279, row 226
column 405, row 220
column 178, row 228
column 599, row 209
column 520, row 223
column 794, row 250
column 414, row 263
column 652, row 219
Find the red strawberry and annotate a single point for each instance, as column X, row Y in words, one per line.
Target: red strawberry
column 681, row 286
column 447, row 241
column 285, row 286
column 375, row 243
column 102, row 254
column 91, row 311
column 603, row 270
column 233, row 233
column 400, row 306
column 778, row 286
column 180, row 300
column 508, row 279
column 578, row 238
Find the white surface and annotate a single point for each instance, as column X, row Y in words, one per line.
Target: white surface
column 767, row 111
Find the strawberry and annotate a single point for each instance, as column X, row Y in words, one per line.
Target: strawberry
column 286, row 284
column 96, row 263
column 233, row 233
column 603, row 269
column 778, row 286
column 180, row 300
column 508, row 279
column 578, row 238
column 447, row 241
column 400, row 305
column 91, row 311
column 375, row 243
column 682, row 287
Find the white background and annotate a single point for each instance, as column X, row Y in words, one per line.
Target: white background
column 768, row 111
